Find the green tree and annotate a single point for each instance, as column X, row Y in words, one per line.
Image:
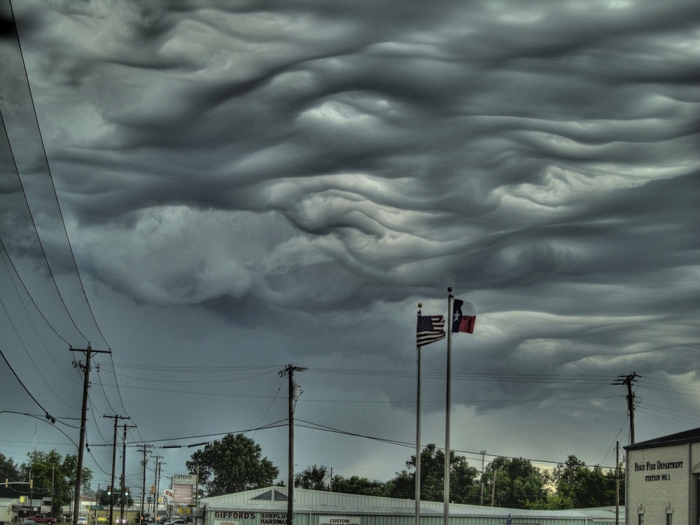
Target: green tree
column 312, row 477
column 464, row 487
column 585, row 486
column 518, row 483
column 232, row 464
column 10, row 471
column 50, row 470
column 70, row 468
column 552, row 502
column 358, row 485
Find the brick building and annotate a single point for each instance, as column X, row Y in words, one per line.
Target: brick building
column 662, row 480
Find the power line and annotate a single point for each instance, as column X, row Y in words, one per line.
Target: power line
column 24, row 286
column 29, row 355
column 48, row 416
column 53, row 186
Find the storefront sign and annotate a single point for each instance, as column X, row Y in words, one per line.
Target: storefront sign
column 339, row 520
column 184, row 479
column 659, row 465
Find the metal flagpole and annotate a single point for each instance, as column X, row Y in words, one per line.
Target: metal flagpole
column 418, row 447
column 448, row 400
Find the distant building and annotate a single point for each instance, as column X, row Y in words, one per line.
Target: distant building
column 8, row 510
column 662, row 480
column 268, row 506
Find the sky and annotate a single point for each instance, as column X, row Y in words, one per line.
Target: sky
column 208, row 191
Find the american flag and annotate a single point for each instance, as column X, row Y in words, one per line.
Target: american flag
column 430, row 328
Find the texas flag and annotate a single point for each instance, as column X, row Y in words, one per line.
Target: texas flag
column 463, row 317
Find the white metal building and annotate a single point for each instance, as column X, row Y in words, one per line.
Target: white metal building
column 8, row 510
column 268, row 506
column 662, row 480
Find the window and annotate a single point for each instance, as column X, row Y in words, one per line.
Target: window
column 669, row 519
column 641, row 519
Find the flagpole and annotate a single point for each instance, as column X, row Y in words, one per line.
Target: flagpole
column 448, row 404
column 418, row 447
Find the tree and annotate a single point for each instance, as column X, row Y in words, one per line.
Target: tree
column 585, row 486
column 552, row 502
column 518, row 482
column 463, row 478
column 50, row 470
column 70, row 468
column 10, row 471
column 312, row 477
column 358, row 485
column 232, row 464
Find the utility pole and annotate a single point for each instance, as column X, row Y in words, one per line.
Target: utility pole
column 628, row 380
column 196, row 492
column 156, row 482
column 143, row 485
column 114, row 461
column 483, row 455
column 123, row 480
column 289, row 371
column 83, row 421
column 617, row 483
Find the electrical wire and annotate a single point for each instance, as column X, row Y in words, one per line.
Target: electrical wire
column 53, row 186
column 34, row 226
column 48, row 416
column 2, row 303
column 270, row 405
column 24, row 286
column 48, row 419
column 25, row 79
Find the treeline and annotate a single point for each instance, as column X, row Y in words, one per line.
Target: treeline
column 510, row 483
column 235, row 463
column 53, row 476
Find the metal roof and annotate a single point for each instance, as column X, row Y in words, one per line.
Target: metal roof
column 323, row 502
column 681, row 438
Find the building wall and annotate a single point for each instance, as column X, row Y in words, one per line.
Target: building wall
column 658, row 483
column 266, row 506
column 257, row 517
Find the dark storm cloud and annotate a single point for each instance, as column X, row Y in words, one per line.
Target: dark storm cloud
column 487, row 147
column 323, row 167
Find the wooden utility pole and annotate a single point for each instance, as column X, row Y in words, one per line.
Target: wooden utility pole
column 156, row 483
column 83, row 422
column 617, row 483
column 483, row 457
column 114, row 461
column 289, row 372
column 493, row 487
column 628, row 380
column 123, row 490
column 143, row 485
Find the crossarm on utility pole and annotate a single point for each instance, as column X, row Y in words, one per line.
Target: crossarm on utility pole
column 83, row 418
column 289, row 371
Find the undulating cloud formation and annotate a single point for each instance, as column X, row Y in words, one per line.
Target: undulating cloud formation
column 249, row 184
